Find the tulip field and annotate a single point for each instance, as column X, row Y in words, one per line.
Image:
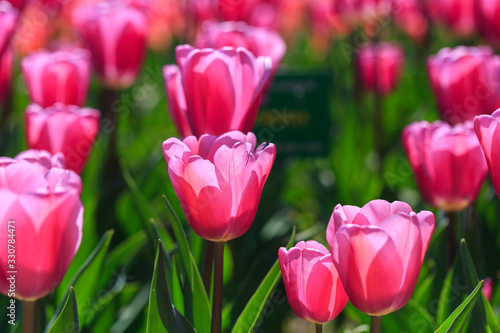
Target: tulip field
column 264, row 166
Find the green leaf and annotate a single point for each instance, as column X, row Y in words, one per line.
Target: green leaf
column 251, row 313
column 483, row 315
column 87, row 278
column 162, row 315
column 196, row 305
column 67, row 321
column 444, row 304
column 457, row 320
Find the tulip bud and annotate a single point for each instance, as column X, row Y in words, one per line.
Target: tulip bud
column 41, row 201
column 218, row 181
column 67, row 129
column 378, row 251
column 448, row 163
column 57, row 77
column 312, row 284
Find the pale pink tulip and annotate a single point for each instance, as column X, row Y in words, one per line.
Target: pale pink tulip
column 43, row 202
column 378, row 251
column 218, row 181
column 312, row 284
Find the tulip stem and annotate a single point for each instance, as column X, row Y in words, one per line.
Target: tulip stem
column 319, row 328
column 208, row 263
column 452, row 243
column 31, row 322
column 375, row 324
column 218, row 285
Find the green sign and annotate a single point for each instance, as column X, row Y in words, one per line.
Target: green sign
column 295, row 114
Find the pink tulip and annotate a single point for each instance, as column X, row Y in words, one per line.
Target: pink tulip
column 259, row 41
column 215, row 90
column 43, row 202
column 57, row 77
column 116, row 36
column 488, row 288
column 378, row 251
column 218, row 181
column 63, row 128
column 410, row 16
column 6, row 67
column 312, row 284
column 465, row 81
column 379, row 66
column 488, row 132
column 237, row 10
column 361, row 12
column 459, row 15
column 448, row 163
column 487, row 13
column 8, row 21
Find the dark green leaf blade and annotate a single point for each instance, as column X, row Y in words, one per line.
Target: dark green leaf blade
column 67, row 321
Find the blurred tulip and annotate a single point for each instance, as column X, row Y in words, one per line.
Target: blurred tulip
column 379, row 66
column 409, row 16
column 57, row 77
column 259, row 41
column 488, row 288
column 63, row 128
column 378, row 251
column 361, row 12
column 488, row 24
column 458, row 15
column 215, row 91
column 465, row 81
column 8, row 21
column 312, row 284
column 236, row 10
column 18, row 4
column 43, row 202
column 218, row 181
column 448, row 163
column 488, row 132
column 116, row 37
column 6, row 67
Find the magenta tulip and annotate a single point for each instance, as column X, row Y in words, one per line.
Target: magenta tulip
column 448, row 163
column 8, row 21
column 312, row 284
column 42, row 218
column 57, row 77
column 259, row 41
column 378, row 251
column 410, row 16
column 458, row 15
column 67, row 129
column 218, row 181
column 487, row 13
column 465, row 82
column 360, row 12
column 215, row 90
column 379, row 66
column 116, row 37
column 6, row 67
column 488, row 132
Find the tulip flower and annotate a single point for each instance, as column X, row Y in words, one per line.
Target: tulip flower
column 359, row 12
column 379, row 66
column 259, row 41
column 116, row 37
column 312, row 283
column 8, row 21
column 42, row 217
column 215, row 90
column 6, row 67
column 488, row 132
column 487, row 12
column 67, row 129
column 457, row 15
column 465, row 81
column 448, row 163
column 218, row 181
column 488, row 288
column 410, row 16
column 57, row 77
column 378, row 251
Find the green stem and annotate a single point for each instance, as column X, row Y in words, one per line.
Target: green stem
column 31, row 322
column 319, row 328
column 217, row 295
column 208, row 265
column 375, row 324
column 452, row 242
